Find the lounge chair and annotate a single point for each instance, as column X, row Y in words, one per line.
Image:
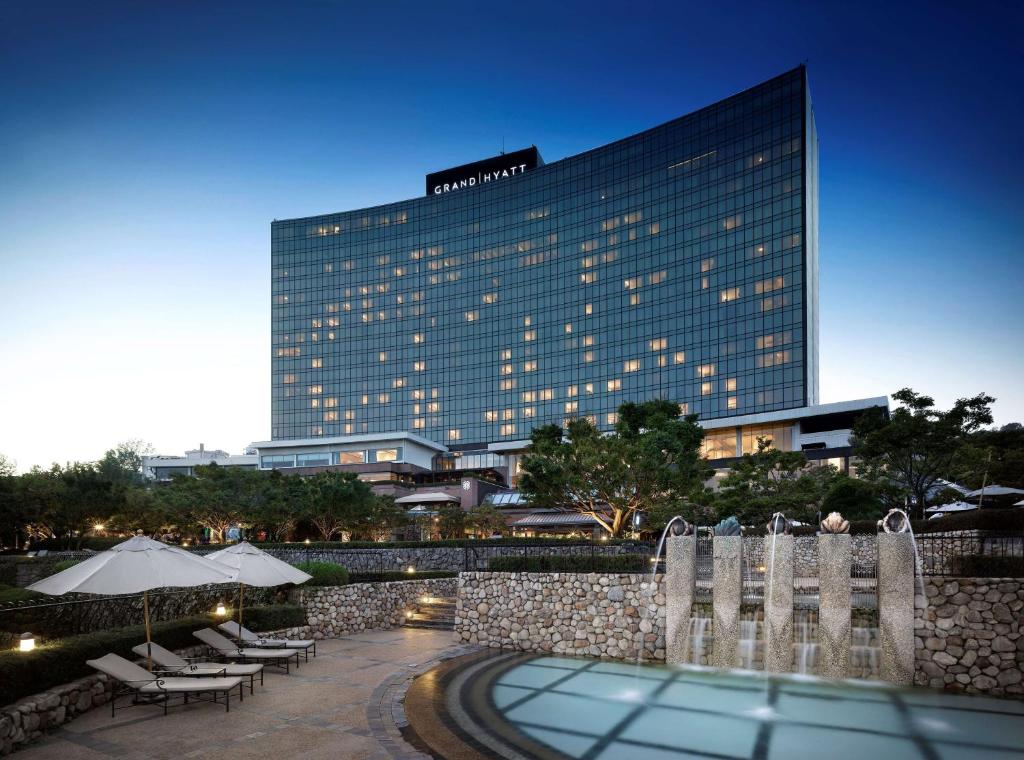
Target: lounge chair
column 154, row 688
column 184, row 666
column 230, row 650
column 247, row 638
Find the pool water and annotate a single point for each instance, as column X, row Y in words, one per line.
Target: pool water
column 591, row 709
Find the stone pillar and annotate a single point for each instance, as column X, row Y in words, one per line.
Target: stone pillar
column 727, row 594
column 896, row 607
column 680, row 586
column 834, row 627
column 778, row 604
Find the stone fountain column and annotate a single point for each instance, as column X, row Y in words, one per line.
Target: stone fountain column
column 834, row 627
column 896, row 607
column 778, row 604
column 680, row 587
column 727, row 585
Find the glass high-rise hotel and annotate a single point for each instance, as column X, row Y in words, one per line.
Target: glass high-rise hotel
column 678, row 263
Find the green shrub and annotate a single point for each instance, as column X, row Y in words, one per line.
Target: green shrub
column 324, row 573
column 987, row 566
column 14, row 594
column 625, row 563
column 62, row 660
column 64, row 564
column 397, row 575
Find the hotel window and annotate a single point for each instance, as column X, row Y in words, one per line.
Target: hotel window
column 568, row 328
column 388, row 455
column 508, row 429
column 348, row 429
column 454, row 434
column 317, row 459
column 490, row 298
column 707, row 265
column 419, row 366
column 766, row 286
column 631, row 365
column 418, row 423
column 315, row 390
column 781, row 437
column 398, row 382
column 719, row 444
column 679, row 357
column 417, row 394
column 330, row 401
column 330, row 416
column 571, row 407
column 588, row 356
column 632, row 283
column 417, row 338
column 314, row 403
column 662, row 361
column 547, row 394
column 731, row 402
column 508, row 414
column 529, row 396
column 656, row 277
column 383, row 398
column 634, row 299
column 490, row 416
column 507, row 385
column 382, row 356
column 571, row 391
column 528, row 411
column 706, row 389
column 614, row 385
column 588, row 309
column 705, row 370
column 350, row 457
column 730, row 383
column 773, row 358
column 729, row 294
column 588, row 340
column 289, row 379
column 530, row 335
column 588, row 278
column 433, row 407
column 349, row 414
column 364, row 399
column 530, row 366
column 471, row 316
column 611, row 418
column 316, row 363
column 506, row 353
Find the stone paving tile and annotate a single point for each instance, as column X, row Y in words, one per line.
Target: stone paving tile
column 344, row 703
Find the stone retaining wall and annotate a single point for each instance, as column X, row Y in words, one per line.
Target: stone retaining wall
column 26, row 721
column 333, row 611
column 969, row 637
column 597, row 614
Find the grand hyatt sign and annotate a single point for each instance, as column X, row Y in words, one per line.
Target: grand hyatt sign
column 482, row 172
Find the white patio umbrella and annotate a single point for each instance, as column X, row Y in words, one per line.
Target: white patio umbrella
column 133, row 566
column 995, row 491
column 956, row 506
column 254, row 567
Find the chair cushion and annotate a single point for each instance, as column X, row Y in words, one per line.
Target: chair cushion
column 176, row 684
column 228, row 668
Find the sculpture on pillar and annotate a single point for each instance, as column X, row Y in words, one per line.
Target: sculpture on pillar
column 730, row 526
column 834, row 524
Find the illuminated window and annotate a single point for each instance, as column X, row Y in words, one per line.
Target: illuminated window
column 705, row 370
column 588, row 278
column 508, row 414
column 365, row 399
column 730, row 383
column 588, row 388
column 507, row 369
column 729, row 294
column 330, row 416
column 433, row 407
column 706, row 389
column 508, row 429
column 679, row 357
column 530, row 366
column 631, row 365
column 387, row 455
column 398, row 382
column 662, row 361
column 707, row 265
column 490, row 297
column 382, row 356
column 530, row 335
column 588, row 309
column 472, row 316
column 528, row 411
column 632, row 283
column 527, row 321
column 588, row 340
column 330, row 401
column 490, row 416
column 731, row 402
column 417, row 394
column 418, row 423
column 659, row 344
column 316, row 363
column 314, row 403
column 454, row 434
column 529, row 396
column 507, row 385
column 351, row 457
column 547, row 394
column 506, row 353
column 656, row 277
column 773, row 358
column 611, row 418
column 571, row 407
column 614, row 385
column 289, row 379
column 634, row 299
column 315, row 390
column 417, row 338
column 568, row 328
column 571, row 391
column 383, row 398
column 766, row 286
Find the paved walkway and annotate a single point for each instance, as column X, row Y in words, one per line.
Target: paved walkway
column 339, row 705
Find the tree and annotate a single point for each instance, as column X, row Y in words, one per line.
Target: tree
column 768, row 481
column 381, row 521
column 485, row 521
column 214, row 497
column 918, row 444
column 651, row 461
column 7, row 467
column 122, row 465
column 993, row 457
column 338, row 502
column 452, row 522
column 853, row 498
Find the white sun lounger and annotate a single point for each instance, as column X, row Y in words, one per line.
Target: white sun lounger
column 227, row 648
column 187, row 666
column 245, row 637
column 151, row 688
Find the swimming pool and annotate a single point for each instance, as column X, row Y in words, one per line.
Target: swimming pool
column 525, row 706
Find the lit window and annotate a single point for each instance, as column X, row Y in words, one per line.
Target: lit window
column 529, row 396
column 508, row 429
column 365, row 399
column 662, row 361
column 506, row 353
column 454, row 434
column 729, row 294
column 419, row 366
column 398, row 382
column 632, row 283
column 730, row 383
column 528, row 411
column 547, row 394
column 766, row 286
column 705, row 370
column 490, row 416
column 417, row 394
column 707, row 265
column 614, row 385
column 679, row 357
column 588, row 356
column 571, row 407
column 631, row 365
column 490, row 297
column 588, row 309
column 731, row 402
column 383, row 398
column 330, row 402
column 315, row 390
column 418, row 423
column 588, row 340
column 530, row 335
column 527, row 321
column 316, row 363
column 656, row 277
column 330, row 416
column 706, row 389
column 417, row 338
column 382, row 356
column 434, row 406
column 387, row 455
column 611, row 418
column 471, row 316
column 568, row 328
column 588, row 278
column 588, row 388
column 659, row 344
column 289, row 379
column 314, row 403
column 508, row 414
column 571, row 391
column 530, row 366
column 634, row 299
column 507, row 385
column 507, row 369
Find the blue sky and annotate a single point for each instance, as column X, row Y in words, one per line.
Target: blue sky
column 146, row 148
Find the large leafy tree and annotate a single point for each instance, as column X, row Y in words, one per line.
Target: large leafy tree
column 767, row 481
column 338, row 502
column 917, row 444
column 993, row 456
column 485, row 521
column 650, row 461
column 122, row 465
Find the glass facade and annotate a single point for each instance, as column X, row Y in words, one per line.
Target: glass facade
column 678, row 263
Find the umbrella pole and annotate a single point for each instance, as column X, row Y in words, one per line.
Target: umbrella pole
column 149, row 636
column 241, row 593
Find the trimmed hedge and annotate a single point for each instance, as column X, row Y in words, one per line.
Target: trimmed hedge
column 324, row 573
column 62, row 660
column 455, row 542
column 987, row 566
column 15, row 594
column 396, row 575
column 623, row 563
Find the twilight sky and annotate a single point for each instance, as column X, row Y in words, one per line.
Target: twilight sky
column 146, row 148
